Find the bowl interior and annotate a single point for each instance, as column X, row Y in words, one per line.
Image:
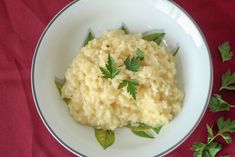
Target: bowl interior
column 62, row 41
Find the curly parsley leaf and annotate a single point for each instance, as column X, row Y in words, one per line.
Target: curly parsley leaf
column 90, row 36
column 176, row 51
column 131, row 86
column 156, row 37
column 111, row 69
column 217, row 104
column 125, row 29
column 228, row 81
column 225, row 51
column 105, row 137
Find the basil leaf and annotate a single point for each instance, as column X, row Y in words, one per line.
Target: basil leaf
column 157, row 129
column 141, row 127
column 156, row 37
column 105, row 137
column 59, row 86
column 146, row 134
column 90, row 36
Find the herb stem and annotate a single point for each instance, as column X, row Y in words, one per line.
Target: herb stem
column 212, row 139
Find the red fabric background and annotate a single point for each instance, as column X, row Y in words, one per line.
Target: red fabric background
column 22, row 132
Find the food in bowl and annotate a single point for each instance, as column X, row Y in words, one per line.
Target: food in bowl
column 122, row 80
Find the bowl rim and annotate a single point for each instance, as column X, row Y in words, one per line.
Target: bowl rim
column 75, row 151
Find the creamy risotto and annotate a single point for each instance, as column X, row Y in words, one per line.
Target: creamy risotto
column 98, row 102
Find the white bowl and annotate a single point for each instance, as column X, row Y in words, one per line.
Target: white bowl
column 63, row 38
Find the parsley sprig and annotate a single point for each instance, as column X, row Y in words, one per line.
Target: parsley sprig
column 217, row 104
column 111, row 68
column 211, row 147
column 133, row 64
column 131, row 86
column 225, row 51
column 228, row 81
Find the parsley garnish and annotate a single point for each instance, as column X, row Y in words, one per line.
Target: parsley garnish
column 211, row 148
column 225, row 51
column 111, row 69
column 133, row 64
column 90, row 36
column 217, row 104
column 228, row 79
column 156, row 37
column 131, row 86
column 140, row 54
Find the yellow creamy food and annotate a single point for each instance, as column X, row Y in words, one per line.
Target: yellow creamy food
column 97, row 102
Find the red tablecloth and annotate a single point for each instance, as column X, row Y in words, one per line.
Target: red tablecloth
column 22, row 132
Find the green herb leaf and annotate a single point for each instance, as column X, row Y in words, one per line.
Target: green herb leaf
column 125, row 29
column 228, row 79
column 227, row 138
column 140, row 54
column 217, row 104
column 132, row 64
column 157, row 129
column 59, row 86
column 89, row 37
column 131, row 86
column 225, row 51
column 212, row 149
column 198, row 147
column 210, row 132
column 146, row 134
column 176, row 51
column 122, row 84
column 140, row 127
column 111, row 69
column 206, row 150
column 105, row 137
column 225, row 125
column 156, row 37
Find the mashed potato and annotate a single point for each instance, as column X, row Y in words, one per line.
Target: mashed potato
column 98, row 102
